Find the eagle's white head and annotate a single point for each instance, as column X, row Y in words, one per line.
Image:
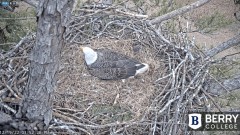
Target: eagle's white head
column 89, row 54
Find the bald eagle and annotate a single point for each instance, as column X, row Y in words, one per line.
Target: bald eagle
column 109, row 65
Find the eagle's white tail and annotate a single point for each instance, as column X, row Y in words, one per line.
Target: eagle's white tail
column 143, row 69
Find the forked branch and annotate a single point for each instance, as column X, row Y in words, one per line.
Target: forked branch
column 179, row 11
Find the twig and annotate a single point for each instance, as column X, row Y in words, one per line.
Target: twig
column 19, row 18
column 168, row 104
column 10, row 89
column 132, row 14
column 211, row 98
column 23, row 40
column 7, row 107
column 7, row 44
column 179, row 11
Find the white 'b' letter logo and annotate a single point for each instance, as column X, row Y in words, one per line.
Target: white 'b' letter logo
column 194, row 120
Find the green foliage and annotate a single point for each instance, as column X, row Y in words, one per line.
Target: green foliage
column 208, row 24
column 13, row 28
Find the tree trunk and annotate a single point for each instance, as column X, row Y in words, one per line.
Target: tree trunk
column 37, row 103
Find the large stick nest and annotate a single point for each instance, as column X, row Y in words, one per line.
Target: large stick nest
column 154, row 103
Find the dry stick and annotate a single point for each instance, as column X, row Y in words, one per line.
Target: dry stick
column 132, row 14
column 72, row 116
column 199, row 87
column 193, row 80
column 67, row 119
column 162, row 37
column 181, row 98
column 156, row 100
column 14, row 81
column 155, row 122
column 164, row 77
column 176, row 84
column 178, row 11
column 159, row 34
column 76, row 123
column 172, row 73
column 105, row 9
column 69, row 130
column 170, row 2
column 89, row 107
column 11, row 100
column 211, row 98
column 68, row 109
column 229, row 55
column 19, row 18
column 10, row 89
column 86, row 10
column 22, row 80
column 7, row 107
column 223, row 46
column 108, row 125
column 8, row 43
column 19, row 57
column 2, row 91
column 119, row 130
column 20, row 43
column 168, row 104
column 221, row 84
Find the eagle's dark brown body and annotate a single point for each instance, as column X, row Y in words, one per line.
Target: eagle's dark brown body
column 110, row 65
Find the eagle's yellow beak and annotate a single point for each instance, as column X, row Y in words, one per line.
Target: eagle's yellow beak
column 81, row 48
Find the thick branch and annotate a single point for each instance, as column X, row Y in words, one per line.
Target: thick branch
column 33, row 3
column 179, row 11
column 224, row 86
column 223, row 46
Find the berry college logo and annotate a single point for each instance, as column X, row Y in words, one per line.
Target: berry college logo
column 194, row 120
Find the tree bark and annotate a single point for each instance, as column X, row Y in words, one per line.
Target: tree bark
column 178, row 11
column 37, row 103
column 224, row 46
